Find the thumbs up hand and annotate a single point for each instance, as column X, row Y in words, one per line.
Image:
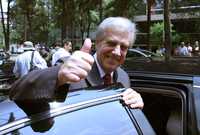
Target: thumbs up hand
column 77, row 66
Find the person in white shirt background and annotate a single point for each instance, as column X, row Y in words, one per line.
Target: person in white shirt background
column 190, row 49
column 63, row 50
column 183, row 50
column 23, row 61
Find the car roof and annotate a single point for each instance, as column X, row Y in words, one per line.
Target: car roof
column 138, row 51
column 77, row 97
column 148, row 52
column 145, row 53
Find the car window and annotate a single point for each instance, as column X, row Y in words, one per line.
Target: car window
column 106, row 119
column 150, row 54
column 165, row 106
column 9, row 112
column 131, row 54
column 83, row 112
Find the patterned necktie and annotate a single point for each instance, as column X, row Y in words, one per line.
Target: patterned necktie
column 107, row 79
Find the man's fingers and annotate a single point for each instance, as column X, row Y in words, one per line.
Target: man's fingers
column 73, row 75
column 87, row 45
column 129, row 93
column 79, row 72
column 74, row 70
column 137, row 105
column 132, row 98
column 72, row 78
column 77, row 65
column 84, row 56
column 67, row 77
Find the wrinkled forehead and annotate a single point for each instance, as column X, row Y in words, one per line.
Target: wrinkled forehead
column 115, row 32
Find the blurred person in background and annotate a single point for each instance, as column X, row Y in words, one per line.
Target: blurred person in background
column 183, row 50
column 28, row 60
column 190, row 49
column 196, row 48
column 62, row 50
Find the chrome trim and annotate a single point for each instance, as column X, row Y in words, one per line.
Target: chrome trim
column 86, row 102
column 196, row 86
column 58, row 111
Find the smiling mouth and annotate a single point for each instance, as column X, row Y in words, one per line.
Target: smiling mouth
column 112, row 60
column 113, row 57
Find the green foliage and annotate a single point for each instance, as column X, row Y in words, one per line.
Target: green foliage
column 1, row 36
column 157, row 33
column 126, row 8
column 29, row 18
column 49, row 20
column 14, row 36
column 176, row 38
column 54, row 35
column 157, row 30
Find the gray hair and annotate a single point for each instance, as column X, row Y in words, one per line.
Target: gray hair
column 117, row 23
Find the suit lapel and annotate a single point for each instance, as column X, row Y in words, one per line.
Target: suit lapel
column 95, row 79
column 115, row 76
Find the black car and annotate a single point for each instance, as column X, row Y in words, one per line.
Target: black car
column 143, row 60
column 143, row 55
column 171, row 108
column 90, row 111
column 171, row 101
column 139, row 59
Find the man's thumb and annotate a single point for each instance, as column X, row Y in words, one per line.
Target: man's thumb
column 87, row 45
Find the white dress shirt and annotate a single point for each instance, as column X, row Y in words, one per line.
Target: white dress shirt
column 23, row 61
column 101, row 71
column 60, row 53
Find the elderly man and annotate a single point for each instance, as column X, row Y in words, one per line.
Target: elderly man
column 113, row 38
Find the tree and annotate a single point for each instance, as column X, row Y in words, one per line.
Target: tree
column 37, row 20
column 150, row 3
column 157, row 34
column 167, row 30
column 38, row 28
column 86, row 15
column 6, row 27
column 27, row 9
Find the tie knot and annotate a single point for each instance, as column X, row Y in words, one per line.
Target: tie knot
column 107, row 79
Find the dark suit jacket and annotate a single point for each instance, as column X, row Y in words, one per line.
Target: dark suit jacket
column 42, row 84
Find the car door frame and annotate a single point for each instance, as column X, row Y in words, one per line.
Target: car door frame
column 190, row 86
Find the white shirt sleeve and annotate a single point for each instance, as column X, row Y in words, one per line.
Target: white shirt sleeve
column 59, row 54
column 39, row 61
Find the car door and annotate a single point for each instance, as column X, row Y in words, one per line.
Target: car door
column 90, row 111
column 170, row 101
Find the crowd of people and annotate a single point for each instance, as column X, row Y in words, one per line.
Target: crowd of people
column 183, row 49
column 187, row 49
column 32, row 56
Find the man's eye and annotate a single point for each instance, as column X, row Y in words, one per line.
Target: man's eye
column 111, row 44
column 123, row 48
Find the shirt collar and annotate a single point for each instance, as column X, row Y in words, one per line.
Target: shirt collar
column 101, row 71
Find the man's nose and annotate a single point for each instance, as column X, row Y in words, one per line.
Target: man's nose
column 117, row 50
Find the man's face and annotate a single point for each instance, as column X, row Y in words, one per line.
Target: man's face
column 112, row 49
column 68, row 46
